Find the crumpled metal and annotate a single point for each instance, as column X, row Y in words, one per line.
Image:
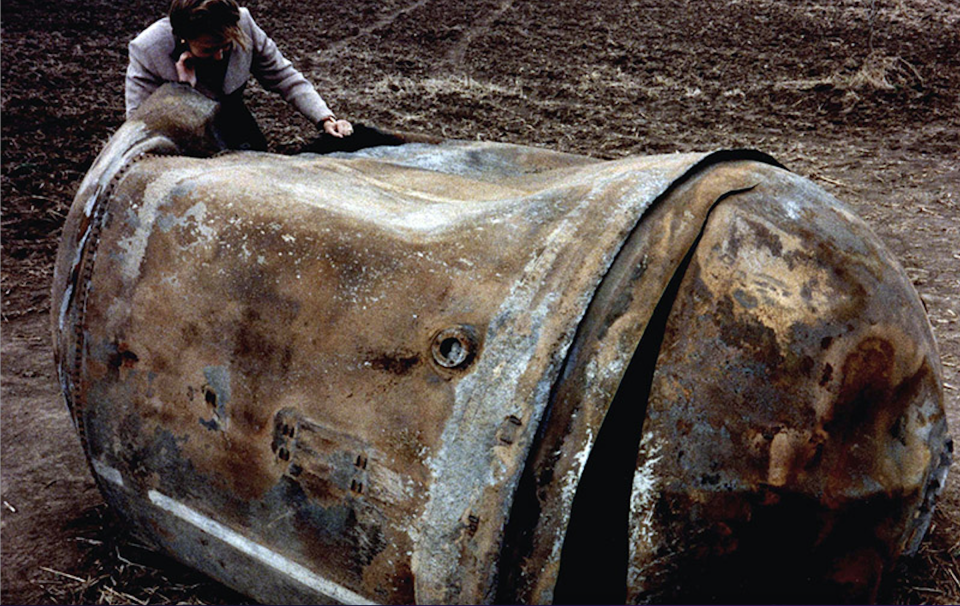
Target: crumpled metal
column 466, row 372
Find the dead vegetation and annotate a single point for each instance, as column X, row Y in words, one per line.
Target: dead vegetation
column 116, row 569
column 933, row 575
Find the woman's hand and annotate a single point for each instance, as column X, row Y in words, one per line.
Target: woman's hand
column 185, row 70
column 337, row 128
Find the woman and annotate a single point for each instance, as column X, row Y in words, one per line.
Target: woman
column 215, row 46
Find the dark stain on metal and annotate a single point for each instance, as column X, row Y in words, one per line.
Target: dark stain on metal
column 121, row 357
column 473, row 524
column 509, row 430
column 398, row 363
column 738, row 330
column 766, row 238
column 745, row 299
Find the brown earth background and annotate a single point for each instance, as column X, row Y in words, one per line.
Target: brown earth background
column 861, row 96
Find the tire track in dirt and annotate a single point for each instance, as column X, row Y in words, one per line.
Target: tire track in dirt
column 457, row 54
column 381, row 23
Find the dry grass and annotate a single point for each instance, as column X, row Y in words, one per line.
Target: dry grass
column 877, row 72
column 932, row 576
column 882, row 72
column 119, row 570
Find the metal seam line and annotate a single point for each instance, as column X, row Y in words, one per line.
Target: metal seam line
column 260, row 553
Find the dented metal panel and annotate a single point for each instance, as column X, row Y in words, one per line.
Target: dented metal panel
column 379, row 376
column 796, row 401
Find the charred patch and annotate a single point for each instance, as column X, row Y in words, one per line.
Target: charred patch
column 827, row 375
column 731, row 558
column 398, row 363
column 866, row 386
column 766, row 238
column 746, row 334
column 121, row 357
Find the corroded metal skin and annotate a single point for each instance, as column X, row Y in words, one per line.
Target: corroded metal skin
column 796, row 401
column 430, row 372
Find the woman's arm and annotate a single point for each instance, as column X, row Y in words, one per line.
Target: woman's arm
column 276, row 73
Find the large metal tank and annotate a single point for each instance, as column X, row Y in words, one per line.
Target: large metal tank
column 465, row 372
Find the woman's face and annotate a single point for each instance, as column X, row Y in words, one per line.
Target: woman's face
column 208, row 46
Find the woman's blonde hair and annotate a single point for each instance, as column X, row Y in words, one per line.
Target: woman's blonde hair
column 191, row 19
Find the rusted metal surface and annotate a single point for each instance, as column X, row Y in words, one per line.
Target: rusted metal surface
column 796, row 402
column 385, row 376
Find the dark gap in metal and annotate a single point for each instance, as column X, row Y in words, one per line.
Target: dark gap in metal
column 525, row 514
column 593, row 563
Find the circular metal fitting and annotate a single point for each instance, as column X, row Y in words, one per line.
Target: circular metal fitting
column 454, row 347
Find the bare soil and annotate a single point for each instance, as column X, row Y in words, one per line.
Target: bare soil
column 862, row 96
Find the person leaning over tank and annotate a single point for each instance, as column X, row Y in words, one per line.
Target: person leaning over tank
column 215, row 46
